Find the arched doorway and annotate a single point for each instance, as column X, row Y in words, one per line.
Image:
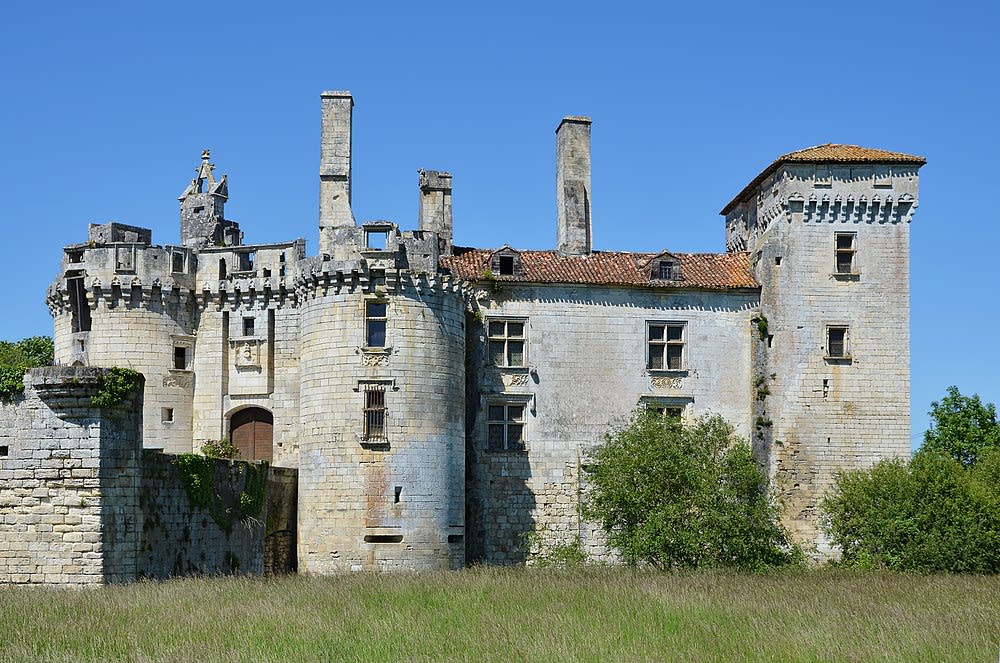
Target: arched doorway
column 252, row 432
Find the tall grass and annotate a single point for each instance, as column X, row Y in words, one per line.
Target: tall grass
column 590, row 614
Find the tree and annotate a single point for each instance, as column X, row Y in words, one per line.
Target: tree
column 962, row 427
column 16, row 357
column 929, row 514
column 685, row 496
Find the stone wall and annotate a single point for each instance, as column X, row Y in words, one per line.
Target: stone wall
column 585, row 371
column 69, row 482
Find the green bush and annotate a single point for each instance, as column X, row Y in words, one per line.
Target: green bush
column 678, row 496
column 113, row 386
column 18, row 356
column 930, row 514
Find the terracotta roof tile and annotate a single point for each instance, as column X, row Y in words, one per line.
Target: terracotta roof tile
column 828, row 153
column 718, row 271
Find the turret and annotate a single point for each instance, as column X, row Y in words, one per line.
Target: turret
column 202, row 212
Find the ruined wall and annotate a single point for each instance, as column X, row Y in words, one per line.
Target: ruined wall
column 585, row 370
column 828, row 413
column 69, row 478
column 182, row 535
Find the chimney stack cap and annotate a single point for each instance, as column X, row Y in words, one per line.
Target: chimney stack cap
column 573, row 119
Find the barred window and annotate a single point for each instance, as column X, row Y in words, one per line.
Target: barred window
column 376, row 316
column 665, row 342
column 507, row 343
column 374, row 413
column 505, row 422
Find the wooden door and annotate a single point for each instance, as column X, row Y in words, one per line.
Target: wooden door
column 252, row 433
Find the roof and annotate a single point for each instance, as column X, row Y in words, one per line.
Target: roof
column 828, row 153
column 716, row 271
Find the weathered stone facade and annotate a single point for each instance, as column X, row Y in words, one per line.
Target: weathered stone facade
column 439, row 402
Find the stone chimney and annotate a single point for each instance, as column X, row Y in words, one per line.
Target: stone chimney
column 573, row 185
column 435, row 207
column 335, row 167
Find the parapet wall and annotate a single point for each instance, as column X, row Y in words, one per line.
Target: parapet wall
column 81, row 503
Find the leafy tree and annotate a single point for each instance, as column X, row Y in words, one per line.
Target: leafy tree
column 929, row 514
column 16, row 357
column 685, row 496
column 962, row 427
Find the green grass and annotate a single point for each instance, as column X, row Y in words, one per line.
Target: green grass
column 591, row 614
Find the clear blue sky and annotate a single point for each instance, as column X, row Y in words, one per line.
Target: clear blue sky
column 107, row 106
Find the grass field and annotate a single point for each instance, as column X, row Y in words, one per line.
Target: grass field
column 591, row 614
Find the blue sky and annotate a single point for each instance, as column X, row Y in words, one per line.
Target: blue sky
column 107, row 107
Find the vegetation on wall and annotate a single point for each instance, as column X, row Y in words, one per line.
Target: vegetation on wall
column 226, row 503
column 685, row 496
column 113, row 386
column 939, row 511
column 18, row 356
column 223, row 448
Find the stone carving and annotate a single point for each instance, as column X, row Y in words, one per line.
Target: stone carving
column 179, row 380
column 374, row 359
column 515, row 380
column 247, row 354
column 665, row 382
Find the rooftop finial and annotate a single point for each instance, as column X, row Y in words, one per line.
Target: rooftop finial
column 205, row 155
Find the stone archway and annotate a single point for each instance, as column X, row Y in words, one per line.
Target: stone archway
column 251, row 431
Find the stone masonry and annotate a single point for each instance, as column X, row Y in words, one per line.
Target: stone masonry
column 440, row 402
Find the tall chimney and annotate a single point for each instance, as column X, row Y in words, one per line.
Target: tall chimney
column 335, row 167
column 573, row 185
column 435, row 207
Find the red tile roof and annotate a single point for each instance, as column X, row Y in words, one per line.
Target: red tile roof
column 717, row 271
column 828, row 153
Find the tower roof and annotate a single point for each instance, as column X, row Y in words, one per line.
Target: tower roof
column 204, row 180
column 827, row 153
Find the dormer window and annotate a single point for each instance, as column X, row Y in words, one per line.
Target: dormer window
column 506, row 262
column 666, row 269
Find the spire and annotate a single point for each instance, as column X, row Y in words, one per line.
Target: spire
column 202, row 209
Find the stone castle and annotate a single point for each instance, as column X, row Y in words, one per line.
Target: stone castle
column 439, row 402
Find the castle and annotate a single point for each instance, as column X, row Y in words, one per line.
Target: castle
column 439, row 402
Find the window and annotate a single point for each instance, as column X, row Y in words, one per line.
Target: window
column 374, row 413
column 167, row 415
column 376, row 240
column 506, row 343
column 665, row 411
column 248, row 326
column 180, row 357
column 666, row 346
column 836, row 343
column 505, row 423
column 375, row 321
column 506, row 265
column 125, row 259
column 823, row 178
column 667, row 270
column 177, row 262
column 506, row 262
column 844, row 253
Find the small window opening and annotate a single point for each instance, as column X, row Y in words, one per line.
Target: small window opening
column 266, row 272
column 395, row 498
column 845, row 252
column 199, row 209
column 506, row 265
column 76, row 256
column 383, row 538
column 826, row 392
column 167, row 415
column 377, row 239
column 836, row 342
column 177, row 262
column 248, row 326
column 455, row 538
column 4, row 451
column 777, row 260
column 770, row 339
column 180, row 358
column 376, row 317
column 222, row 268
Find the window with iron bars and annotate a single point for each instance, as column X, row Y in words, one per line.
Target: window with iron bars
column 374, row 413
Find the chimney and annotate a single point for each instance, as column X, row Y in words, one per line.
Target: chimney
column 573, row 185
column 335, row 167
column 435, row 207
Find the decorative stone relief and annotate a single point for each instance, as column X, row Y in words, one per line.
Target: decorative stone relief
column 515, row 379
column 179, row 380
column 664, row 382
column 374, row 359
column 248, row 354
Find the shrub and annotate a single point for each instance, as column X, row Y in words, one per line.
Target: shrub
column 962, row 426
column 685, row 496
column 19, row 356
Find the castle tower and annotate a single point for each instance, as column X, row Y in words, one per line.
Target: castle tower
column 827, row 229
column 203, row 210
